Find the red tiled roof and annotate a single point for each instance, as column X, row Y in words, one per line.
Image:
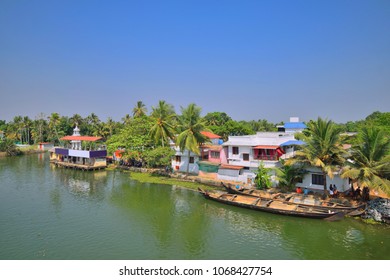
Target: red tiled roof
column 271, row 147
column 227, row 166
column 210, row 135
column 81, row 138
column 212, row 147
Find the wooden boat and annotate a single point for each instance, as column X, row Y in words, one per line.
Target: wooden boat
column 271, row 206
column 299, row 199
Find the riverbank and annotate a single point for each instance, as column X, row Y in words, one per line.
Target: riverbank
column 159, row 176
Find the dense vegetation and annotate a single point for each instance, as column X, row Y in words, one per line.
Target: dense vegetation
column 145, row 138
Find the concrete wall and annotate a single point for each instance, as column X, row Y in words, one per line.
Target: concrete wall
column 341, row 184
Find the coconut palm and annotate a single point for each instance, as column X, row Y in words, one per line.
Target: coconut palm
column 126, row 119
column 93, row 122
column 322, row 149
column 54, row 121
column 162, row 116
column 370, row 160
column 190, row 126
column 139, row 110
column 27, row 123
column 76, row 119
column 288, row 175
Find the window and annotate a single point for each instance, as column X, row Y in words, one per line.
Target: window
column 317, row 179
column 235, row 151
column 178, row 158
column 214, row 154
column 245, row 157
column 192, row 160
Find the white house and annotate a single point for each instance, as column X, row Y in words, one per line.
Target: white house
column 211, row 152
column 246, row 152
column 314, row 180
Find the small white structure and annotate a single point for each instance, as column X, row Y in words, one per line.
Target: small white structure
column 293, row 126
column 314, row 180
column 44, row 146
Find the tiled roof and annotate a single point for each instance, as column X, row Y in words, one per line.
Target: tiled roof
column 270, row 147
column 81, row 138
column 210, row 135
column 228, row 166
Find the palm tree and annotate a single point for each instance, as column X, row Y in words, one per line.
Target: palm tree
column 76, row 119
column 110, row 125
column 163, row 116
column 139, row 110
column 370, row 160
column 126, row 119
column 289, row 175
column 322, row 149
column 93, row 122
column 17, row 127
column 54, row 121
column 191, row 125
column 27, row 123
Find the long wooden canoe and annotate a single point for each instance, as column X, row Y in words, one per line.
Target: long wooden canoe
column 269, row 205
column 298, row 199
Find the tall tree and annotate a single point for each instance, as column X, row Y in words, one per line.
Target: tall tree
column 126, row 119
column 76, row 119
column 54, row 121
column 289, row 175
column 93, row 122
column 163, row 117
column 190, row 126
column 322, row 149
column 139, row 109
column 370, row 160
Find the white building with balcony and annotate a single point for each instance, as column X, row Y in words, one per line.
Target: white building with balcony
column 246, row 152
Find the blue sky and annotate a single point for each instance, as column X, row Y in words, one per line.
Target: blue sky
column 251, row 59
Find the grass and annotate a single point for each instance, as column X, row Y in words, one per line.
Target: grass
column 158, row 179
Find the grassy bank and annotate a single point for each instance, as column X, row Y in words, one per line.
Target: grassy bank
column 158, row 179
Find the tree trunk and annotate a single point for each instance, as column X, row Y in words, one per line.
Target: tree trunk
column 325, row 191
column 188, row 164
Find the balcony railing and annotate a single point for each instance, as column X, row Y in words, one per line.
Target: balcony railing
column 266, row 157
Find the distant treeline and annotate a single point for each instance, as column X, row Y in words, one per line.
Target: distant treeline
column 51, row 128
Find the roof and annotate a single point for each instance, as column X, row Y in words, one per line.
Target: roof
column 81, row 138
column 293, row 142
column 212, row 147
column 260, row 138
column 234, row 167
column 271, row 147
column 296, row 125
column 210, row 135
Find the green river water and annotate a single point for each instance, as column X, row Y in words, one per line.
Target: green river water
column 55, row 213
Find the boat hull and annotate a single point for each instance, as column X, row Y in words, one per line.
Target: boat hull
column 268, row 206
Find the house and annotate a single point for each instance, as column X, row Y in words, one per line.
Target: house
column 211, row 155
column 246, row 152
column 314, row 180
column 84, row 152
column 293, row 126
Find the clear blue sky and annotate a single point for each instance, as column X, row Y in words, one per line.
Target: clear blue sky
column 251, row 59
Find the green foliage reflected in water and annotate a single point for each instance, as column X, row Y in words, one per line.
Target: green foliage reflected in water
column 54, row 213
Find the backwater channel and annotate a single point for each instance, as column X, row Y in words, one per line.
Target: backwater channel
column 56, row 213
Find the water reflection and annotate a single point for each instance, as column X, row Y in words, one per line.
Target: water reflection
column 82, row 183
column 56, row 213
